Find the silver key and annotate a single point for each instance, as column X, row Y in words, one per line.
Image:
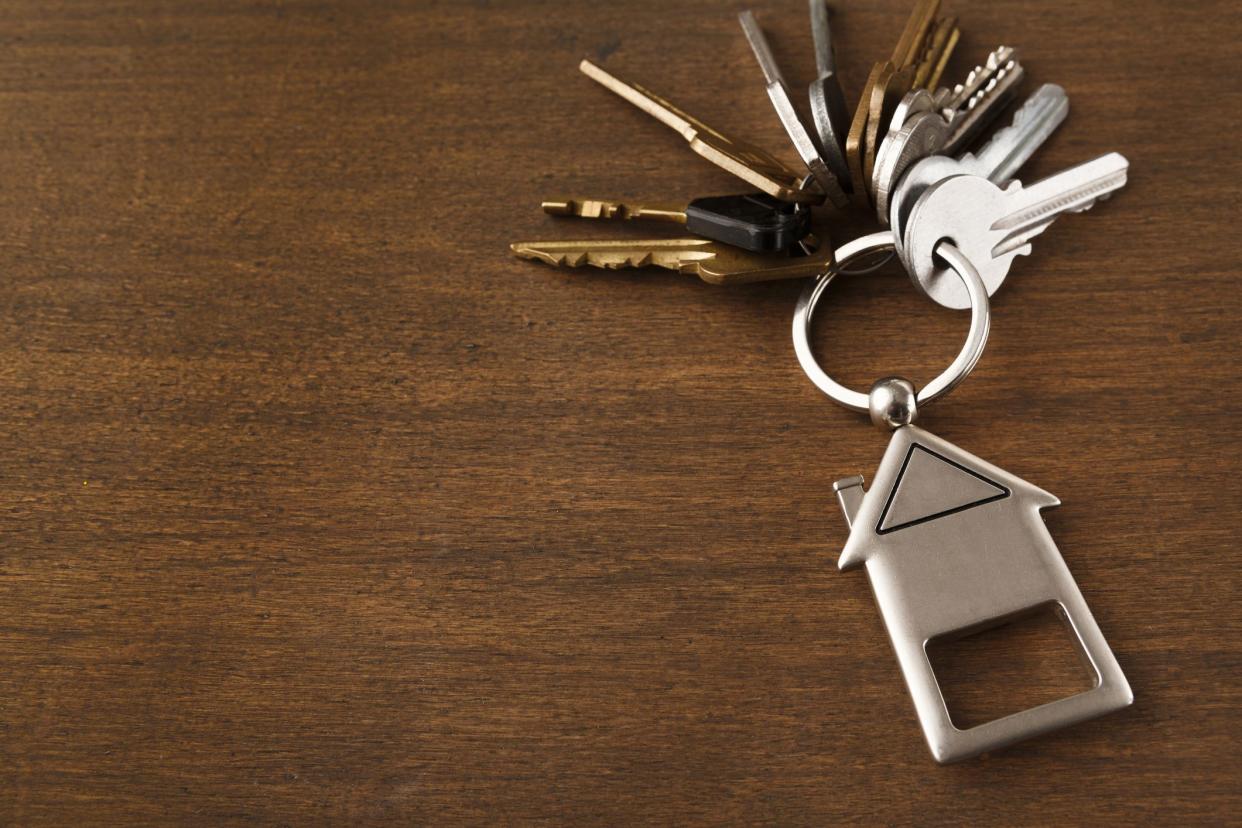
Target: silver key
column 828, row 110
column 952, row 100
column 916, row 100
column 965, row 111
column 1010, row 148
column 998, row 161
column 923, row 134
column 778, row 92
column 992, row 226
column 973, row 115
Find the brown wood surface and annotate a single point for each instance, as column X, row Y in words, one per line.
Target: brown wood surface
column 320, row 507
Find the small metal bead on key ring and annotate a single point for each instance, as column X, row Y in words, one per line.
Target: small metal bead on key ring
column 890, row 394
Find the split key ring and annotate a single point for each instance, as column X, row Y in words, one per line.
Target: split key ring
column 967, row 358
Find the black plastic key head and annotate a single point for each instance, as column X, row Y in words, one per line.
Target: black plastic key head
column 756, row 221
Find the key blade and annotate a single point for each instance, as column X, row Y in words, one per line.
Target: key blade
column 594, row 208
column 760, row 46
column 941, row 43
column 977, row 79
column 714, row 263
column 737, row 267
column 1033, row 123
column 915, row 33
column 614, row 254
column 821, row 34
column 1072, row 190
column 782, row 102
column 649, row 102
column 984, row 107
column 747, row 161
column 828, row 110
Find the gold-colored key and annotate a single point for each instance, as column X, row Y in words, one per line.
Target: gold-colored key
column 914, row 36
column 748, row 162
column 713, row 262
column 598, row 208
column 869, row 103
column 943, row 41
column 887, row 84
column 905, row 59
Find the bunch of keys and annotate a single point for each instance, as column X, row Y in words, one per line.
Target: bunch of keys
column 952, row 543
column 744, row 238
column 908, row 135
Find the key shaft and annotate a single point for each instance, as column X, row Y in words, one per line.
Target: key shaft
column 748, row 162
column 782, row 102
column 976, row 79
column 983, row 108
column 821, row 34
column 1033, row 123
column 943, row 41
column 914, row 34
column 761, row 48
column 713, row 262
column 829, row 114
column 591, row 208
column 1035, row 207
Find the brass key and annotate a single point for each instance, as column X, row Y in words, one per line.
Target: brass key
column 713, row 262
column 890, row 81
column 746, row 161
column 919, row 32
column 942, row 42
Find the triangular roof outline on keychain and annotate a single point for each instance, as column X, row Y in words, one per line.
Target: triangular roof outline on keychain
column 923, row 480
column 931, row 486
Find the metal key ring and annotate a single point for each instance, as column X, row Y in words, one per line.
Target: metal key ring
column 967, row 358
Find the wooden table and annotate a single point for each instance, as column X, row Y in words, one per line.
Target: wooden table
column 319, row 507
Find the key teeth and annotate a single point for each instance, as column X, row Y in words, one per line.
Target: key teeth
column 1001, row 56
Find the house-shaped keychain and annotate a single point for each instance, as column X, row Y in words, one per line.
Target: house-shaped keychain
column 953, row 545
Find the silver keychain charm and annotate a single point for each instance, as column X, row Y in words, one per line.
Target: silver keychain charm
column 953, row 544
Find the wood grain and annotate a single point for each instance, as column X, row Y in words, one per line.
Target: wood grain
column 318, row 507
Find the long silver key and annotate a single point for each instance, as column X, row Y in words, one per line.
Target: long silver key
column 998, row 161
column 828, row 111
column 992, row 226
column 782, row 102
